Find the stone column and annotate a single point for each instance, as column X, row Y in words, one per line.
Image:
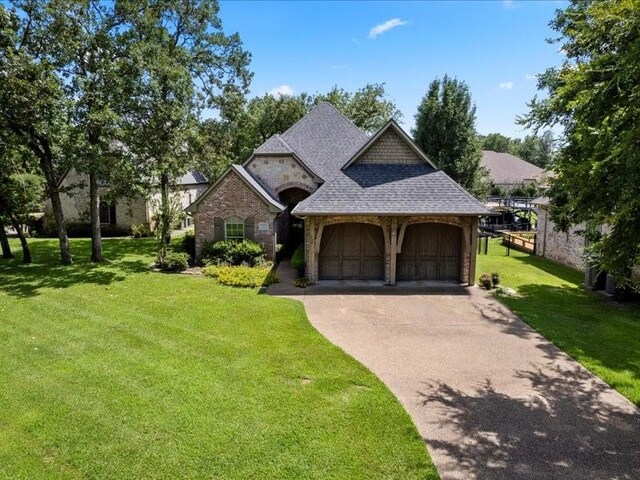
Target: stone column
column 474, row 249
column 393, row 250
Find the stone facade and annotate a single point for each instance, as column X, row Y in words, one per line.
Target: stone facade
column 75, row 203
column 390, row 148
column 393, row 232
column 563, row 247
column 278, row 173
column 233, row 197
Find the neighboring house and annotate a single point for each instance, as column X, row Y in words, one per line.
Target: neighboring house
column 369, row 208
column 567, row 248
column 508, row 171
column 124, row 212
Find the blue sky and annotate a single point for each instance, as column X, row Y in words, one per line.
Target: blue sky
column 494, row 46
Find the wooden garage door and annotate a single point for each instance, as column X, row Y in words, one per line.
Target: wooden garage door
column 351, row 251
column 430, row 251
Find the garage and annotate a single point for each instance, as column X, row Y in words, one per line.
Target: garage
column 351, row 251
column 430, row 251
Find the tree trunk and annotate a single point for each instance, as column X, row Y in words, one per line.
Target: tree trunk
column 164, row 231
column 94, row 206
column 52, row 189
column 4, row 242
column 26, row 253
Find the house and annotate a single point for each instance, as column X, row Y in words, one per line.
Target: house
column 124, row 212
column 508, row 171
column 366, row 207
column 567, row 248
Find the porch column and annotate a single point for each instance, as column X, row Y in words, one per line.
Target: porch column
column 474, row 249
column 393, row 251
column 465, row 261
column 310, row 248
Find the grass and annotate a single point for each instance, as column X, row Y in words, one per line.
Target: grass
column 601, row 334
column 114, row 371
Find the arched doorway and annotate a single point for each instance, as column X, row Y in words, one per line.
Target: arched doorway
column 291, row 228
column 430, row 251
column 351, row 251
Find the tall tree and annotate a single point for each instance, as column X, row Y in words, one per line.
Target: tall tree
column 445, row 130
column 4, row 241
column 595, row 97
column 191, row 64
column 32, row 101
column 95, row 59
column 497, row 143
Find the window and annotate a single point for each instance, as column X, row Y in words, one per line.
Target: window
column 234, row 228
column 107, row 213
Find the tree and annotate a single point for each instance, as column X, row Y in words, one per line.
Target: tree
column 497, row 143
column 445, row 131
column 32, row 101
column 369, row 107
column 190, row 64
column 594, row 96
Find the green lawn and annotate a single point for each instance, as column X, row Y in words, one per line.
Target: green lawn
column 601, row 334
column 113, row 371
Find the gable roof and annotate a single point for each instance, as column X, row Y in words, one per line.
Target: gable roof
column 391, row 189
column 248, row 179
column 192, row 178
column 274, row 145
column 324, row 139
column 393, row 126
column 505, row 168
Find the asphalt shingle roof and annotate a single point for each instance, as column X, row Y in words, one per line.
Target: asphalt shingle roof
column 391, row 189
column 273, row 145
column 324, row 139
column 505, row 168
column 192, row 178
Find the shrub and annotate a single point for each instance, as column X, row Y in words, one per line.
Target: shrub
column 141, row 230
column 485, row 281
column 301, row 282
column 241, row 275
column 297, row 259
column 189, row 243
column 229, row 252
column 175, row 262
column 495, row 279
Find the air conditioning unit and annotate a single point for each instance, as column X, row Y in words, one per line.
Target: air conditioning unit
column 610, row 285
column 591, row 276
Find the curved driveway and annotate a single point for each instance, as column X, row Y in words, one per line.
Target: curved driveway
column 491, row 397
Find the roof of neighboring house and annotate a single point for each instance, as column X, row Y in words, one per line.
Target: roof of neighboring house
column 324, row 139
column 391, row 190
column 505, row 168
column 249, row 179
column 192, row 178
column 542, row 201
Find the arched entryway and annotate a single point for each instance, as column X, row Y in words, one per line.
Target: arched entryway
column 291, row 228
column 351, row 251
column 430, row 251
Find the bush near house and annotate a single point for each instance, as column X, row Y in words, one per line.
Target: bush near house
column 242, row 276
column 230, row 252
column 141, row 230
column 175, row 262
column 188, row 244
column 297, row 260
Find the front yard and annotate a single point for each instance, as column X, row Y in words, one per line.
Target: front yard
column 601, row 334
column 113, row 371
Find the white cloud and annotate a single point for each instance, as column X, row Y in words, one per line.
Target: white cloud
column 530, row 76
column 386, row 26
column 281, row 91
column 505, row 85
column 339, row 67
column 508, row 3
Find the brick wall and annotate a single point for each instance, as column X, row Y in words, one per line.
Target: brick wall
column 275, row 172
column 563, row 247
column 390, row 148
column 233, row 197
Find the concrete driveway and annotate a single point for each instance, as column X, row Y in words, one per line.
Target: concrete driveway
column 492, row 398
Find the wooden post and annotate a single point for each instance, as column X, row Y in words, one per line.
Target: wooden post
column 393, row 250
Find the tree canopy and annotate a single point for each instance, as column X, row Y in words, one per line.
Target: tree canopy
column 445, row 130
column 595, row 97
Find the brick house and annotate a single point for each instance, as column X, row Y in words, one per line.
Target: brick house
column 366, row 207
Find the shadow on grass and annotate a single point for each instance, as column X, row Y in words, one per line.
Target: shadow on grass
column 585, row 325
column 569, row 428
column 20, row 280
column 563, row 272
